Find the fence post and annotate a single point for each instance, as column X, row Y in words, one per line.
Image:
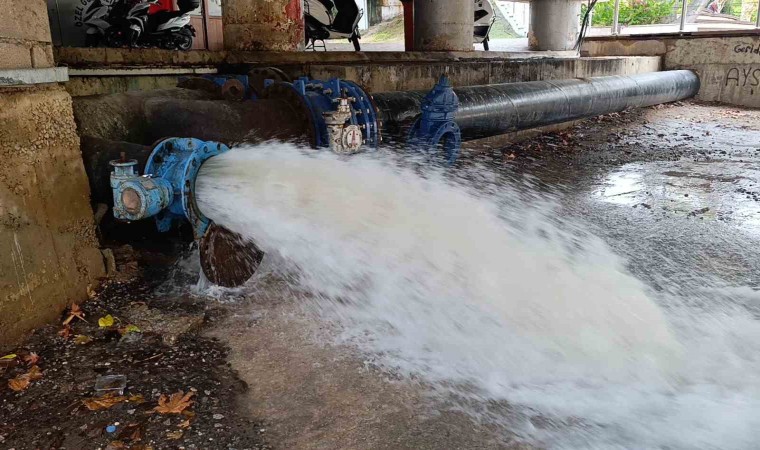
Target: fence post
column 757, row 21
column 616, row 18
column 684, row 5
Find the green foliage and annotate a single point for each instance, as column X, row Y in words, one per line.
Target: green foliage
column 633, row 12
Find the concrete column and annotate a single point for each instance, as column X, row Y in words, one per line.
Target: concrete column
column 50, row 252
column 444, row 25
column 268, row 25
column 554, row 24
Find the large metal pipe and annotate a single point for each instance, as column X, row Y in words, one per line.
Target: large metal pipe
column 491, row 110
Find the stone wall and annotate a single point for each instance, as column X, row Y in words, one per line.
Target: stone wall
column 728, row 63
column 48, row 249
column 25, row 35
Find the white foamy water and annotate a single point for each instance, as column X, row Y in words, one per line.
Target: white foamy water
column 489, row 294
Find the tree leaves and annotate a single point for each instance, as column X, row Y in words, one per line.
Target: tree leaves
column 175, row 404
column 105, row 322
column 74, row 312
column 104, row 402
column 81, row 339
column 31, row 359
column 23, row 381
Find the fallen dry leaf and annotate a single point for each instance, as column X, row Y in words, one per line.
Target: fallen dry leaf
column 23, row 381
column 178, row 402
column 11, row 356
column 129, row 329
column 104, row 402
column 19, row 383
column 81, row 339
column 175, row 435
column 137, row 399
column 116, row 445
column 185, row 424
column 31, row 359
column 65, row 332
column 75, row 311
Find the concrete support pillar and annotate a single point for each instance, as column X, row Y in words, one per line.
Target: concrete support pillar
column 50, row 252
column 443, row 25
column 554, row 24
column 268, row 25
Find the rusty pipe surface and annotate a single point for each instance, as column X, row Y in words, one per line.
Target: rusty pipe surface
column 223, row 121
column 490, row 110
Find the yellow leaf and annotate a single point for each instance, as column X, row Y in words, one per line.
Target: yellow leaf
column 81, row 339
column 11, row 356
column 178, row 402
column 105, row 322
column 129, row 329
column 174, row 435
column 104, row 402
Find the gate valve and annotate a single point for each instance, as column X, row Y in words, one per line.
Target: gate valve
column 344, row 138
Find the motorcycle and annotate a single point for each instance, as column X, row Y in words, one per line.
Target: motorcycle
column 170, row 30
column 327, row 20
column 484, row 19
column 96, row 18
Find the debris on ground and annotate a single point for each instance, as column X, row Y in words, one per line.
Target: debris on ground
column 126, row 370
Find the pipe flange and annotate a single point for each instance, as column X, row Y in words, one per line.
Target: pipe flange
column 227, row 259
column 178, row 160
column 285, row 92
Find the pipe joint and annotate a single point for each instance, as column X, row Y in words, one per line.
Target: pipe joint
column 167, row 190
column 325, row 103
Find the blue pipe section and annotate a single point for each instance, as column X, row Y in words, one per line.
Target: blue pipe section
column 167, row 190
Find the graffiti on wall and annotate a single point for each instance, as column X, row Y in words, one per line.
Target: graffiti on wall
column 748, row 48
column 746, row 77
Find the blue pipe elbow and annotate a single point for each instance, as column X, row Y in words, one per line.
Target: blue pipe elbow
column 167, row 190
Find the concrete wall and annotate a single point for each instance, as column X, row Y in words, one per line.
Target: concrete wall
column 728, row 64
column 378, row 71
column 400, row 77
column 48, row 250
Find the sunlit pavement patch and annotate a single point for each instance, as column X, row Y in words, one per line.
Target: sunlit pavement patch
column 718, row 190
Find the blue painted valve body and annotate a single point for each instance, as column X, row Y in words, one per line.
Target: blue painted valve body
column 435, row 130
column 167, row 189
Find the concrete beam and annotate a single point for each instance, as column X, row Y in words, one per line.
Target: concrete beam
column 22, row 77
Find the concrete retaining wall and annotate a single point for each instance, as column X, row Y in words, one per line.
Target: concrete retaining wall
column 378, row 72
column 49, row 250
column 728, row 63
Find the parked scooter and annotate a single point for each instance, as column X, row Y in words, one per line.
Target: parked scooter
column 484, row 19
column 327, row 20
column 96, row 17
column 169, row 30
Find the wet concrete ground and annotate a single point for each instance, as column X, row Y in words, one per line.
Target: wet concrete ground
column 676, row 189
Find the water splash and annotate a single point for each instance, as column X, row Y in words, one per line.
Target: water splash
column 490, row 294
